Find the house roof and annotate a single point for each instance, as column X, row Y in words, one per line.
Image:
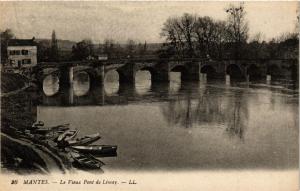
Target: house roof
column 21, row 42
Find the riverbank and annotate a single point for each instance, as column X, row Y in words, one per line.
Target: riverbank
column 21, row 154
column 11, row 82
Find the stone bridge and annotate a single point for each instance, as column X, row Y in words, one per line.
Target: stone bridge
column 191, row 69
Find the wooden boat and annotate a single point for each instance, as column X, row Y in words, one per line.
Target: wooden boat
column 53, row 135
column 85, row 160
column 84, row 140
column 41, row 131
column 36, row 125
column 99, row 150
column 67, row 135
column 62, row 127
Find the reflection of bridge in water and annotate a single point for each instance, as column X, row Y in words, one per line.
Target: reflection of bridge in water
column 125, row 94
column 190, row 69
column 210, row 108
column 194, row 105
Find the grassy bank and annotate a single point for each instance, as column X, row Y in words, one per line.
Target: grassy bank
column 19, row 110
column 12, row 82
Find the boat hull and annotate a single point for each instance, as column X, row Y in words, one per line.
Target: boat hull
column 84, row 141
column 99, row 150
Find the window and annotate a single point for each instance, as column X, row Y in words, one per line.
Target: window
column 18, row 52
column 26, row 61
column 24, row 52
column 12, row 52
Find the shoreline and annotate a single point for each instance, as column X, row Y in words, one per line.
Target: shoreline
column 44, row 158
column 48, row 160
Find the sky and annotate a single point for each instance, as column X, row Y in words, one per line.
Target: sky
column 140, row 21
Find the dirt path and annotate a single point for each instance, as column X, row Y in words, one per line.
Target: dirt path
column 14, row 92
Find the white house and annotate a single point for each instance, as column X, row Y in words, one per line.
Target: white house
column 22, row 53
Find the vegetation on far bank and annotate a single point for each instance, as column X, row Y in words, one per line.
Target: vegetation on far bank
column 189, row 35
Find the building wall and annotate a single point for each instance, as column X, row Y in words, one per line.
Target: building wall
column 18, row 60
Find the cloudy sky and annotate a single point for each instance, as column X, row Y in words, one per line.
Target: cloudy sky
column 135, row 20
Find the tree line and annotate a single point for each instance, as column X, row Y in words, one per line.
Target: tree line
column 203, row 37
column 109, row 48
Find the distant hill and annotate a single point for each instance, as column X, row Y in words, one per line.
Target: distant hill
column 64, row 45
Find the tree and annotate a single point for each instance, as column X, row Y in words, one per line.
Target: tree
column 54, row 47
column 237, row 27
column 5, row 36
column 254, row 47
column 82, row 50
column 142, row 49
column 186, row 25
column 108, row 47
column 204, row 31
column 179, row 33
column 130, row 47
column 43, row 51
column 220, row 37
column 173, row 37
column 191, row 35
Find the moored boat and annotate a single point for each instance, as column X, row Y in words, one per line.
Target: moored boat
column 99, row 150
column 67, row 135
column 37, row 125
column 85, row 140
column 62, row 127
column 85, row 160
column 42, row 131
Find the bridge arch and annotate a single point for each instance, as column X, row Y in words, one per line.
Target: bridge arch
column 274, row 71
column 182, row 69
column 81, row 83
column 50, row 84
column 111, row 82
column 151, row 70
column 294, row 72
column 234, row 71
column 254, row 72
column 112, row 74
column 209, row 70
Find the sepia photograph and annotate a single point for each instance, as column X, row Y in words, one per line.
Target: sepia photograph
column 149, row 95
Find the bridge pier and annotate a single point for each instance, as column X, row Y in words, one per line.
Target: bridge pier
column 247, row 78
column 127, row 90
column 161, row 76
column 97, row 78
column 193, row 72
column 127, row 74
column 268, row 79
column 227, row 79
column 66, row 77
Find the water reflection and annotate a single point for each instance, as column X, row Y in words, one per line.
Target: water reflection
column 81, row 84
column 237, row 115
column 51, row 85
column 111, row 83
column 208, row 110
column 142, row 82
column 175, row 81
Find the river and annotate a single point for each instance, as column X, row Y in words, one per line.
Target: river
column 181, row 126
